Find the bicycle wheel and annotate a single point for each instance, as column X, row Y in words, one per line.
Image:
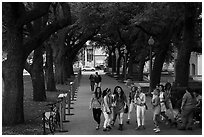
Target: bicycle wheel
column 52, row 124
column 58, row 119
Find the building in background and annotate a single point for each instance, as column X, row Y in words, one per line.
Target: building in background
column 91, row 56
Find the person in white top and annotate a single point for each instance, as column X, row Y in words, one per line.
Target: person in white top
column 163, row 99
column 140, row 100
column 107, row 109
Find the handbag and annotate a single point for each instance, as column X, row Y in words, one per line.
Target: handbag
column 146, row 106
column 126, row 108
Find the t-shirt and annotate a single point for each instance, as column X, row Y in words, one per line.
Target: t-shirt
column 91, row 78
column 96, row 103
column 162, row 97
column 97, row 78
column 188, row 100
column 155, row 100
column 140, row 99
column 131, row 95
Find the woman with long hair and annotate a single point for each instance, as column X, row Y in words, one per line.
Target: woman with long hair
column 107, row 109
column 163, row 99
column 168, row 99
column 131, row 102
column 121, row 103
column 95, row 105
column 156, row 110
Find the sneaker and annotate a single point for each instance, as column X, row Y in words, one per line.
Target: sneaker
column 105, row 129
column 120, row 127
column 138, row 128
column 109, row 127
column 157, row 130
column 97, row 128
column 128, row 122
column 143, row 127
column 112, row 123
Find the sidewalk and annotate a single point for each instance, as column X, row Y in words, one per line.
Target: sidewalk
column 82, row 123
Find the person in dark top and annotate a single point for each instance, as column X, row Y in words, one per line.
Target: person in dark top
column 97, row 80
column 96, row 106
column 121, row 103
column 131, row 102
column 187, row 109
column 92, row 82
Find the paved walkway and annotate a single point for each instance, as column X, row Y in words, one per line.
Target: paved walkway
column 82, row 123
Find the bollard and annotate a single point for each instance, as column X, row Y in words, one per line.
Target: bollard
column 72, row 91
column 64, row 108
column 68, row 104
column 43, row 119
column 68, row 101
column 61, row 123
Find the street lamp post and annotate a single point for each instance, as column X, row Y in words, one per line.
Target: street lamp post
column 150, row 42
column 125, row 62
column 112, row 62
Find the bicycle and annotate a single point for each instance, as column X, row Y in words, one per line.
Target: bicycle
column 52, row 118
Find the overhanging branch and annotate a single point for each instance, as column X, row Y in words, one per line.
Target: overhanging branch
column 41, row 8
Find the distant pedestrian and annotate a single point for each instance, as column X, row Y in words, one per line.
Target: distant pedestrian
column 113, row 108
column 187, row 109
column 97, row 80
column 131, row 102
column 121, row 104
column 107, row 109
column 168, row 100
column 156, row 109
column 95, row 105
column 163, row 99
column 92, row 82
column 140, row 100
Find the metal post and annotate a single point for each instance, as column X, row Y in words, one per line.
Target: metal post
column 61, row 122
column 44, row 130
column 125, row 63
column 112, row 62
column 69, row 101
column 150, row 70
column 150, row 42
column 125, row 77
column 72, row 91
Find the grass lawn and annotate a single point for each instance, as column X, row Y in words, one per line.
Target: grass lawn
column 33, row 111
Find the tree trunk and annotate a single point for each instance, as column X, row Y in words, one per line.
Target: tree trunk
column 109, row 59
column 12, row 106
column 37, row 76
column 140, row 70
column 184, row 52
column 118, row 64
column 158, row 65
column 68, row 67
column 130, row 66
column 49, row 70
column 114, row 63
column 182, row 68
column 59, row 72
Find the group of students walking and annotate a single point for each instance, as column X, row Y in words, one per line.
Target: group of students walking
column 114, row 104
column 183, row 118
